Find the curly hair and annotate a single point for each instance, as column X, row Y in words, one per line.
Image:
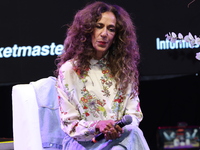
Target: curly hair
column 123, row 55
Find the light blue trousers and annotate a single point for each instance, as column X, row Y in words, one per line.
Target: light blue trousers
column 131, row 139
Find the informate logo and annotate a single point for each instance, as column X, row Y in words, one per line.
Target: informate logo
column 167, row 45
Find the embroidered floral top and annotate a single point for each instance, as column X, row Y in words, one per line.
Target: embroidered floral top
column 84, row 100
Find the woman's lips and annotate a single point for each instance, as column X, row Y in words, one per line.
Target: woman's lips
column 103, row 43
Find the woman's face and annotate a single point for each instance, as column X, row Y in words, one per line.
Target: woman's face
column 104, row 32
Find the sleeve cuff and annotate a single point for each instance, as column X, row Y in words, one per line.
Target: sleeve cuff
column 92, row 128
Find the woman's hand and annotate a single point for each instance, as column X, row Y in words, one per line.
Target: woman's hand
column 109, row 129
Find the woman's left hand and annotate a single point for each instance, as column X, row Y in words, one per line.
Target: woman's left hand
column 113, row 132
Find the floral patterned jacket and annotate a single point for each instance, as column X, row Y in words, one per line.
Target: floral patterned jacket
column 84, row 100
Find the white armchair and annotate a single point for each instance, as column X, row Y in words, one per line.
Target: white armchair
column 29, row 102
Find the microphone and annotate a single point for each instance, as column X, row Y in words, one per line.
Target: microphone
column 127, row 119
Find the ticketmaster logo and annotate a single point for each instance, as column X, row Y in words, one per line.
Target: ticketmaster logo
column 28, row 51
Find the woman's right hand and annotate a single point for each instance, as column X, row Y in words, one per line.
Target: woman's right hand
column 109, row 129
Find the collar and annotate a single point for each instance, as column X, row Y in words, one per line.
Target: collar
column 102, row 61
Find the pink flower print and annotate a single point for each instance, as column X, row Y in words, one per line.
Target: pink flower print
column 118, row 100
column 101, row 103
column 87, row 69
column 84, row 89
column 84, row 100
column 121, row 97
column 85, row 107
column 78, row 71
column 103, row 81
column 105, row 71
column 64, row 113
column 87, row 114
column 90, row 97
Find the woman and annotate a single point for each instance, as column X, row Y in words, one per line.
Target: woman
column 98, row 80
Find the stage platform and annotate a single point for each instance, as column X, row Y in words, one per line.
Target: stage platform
column 6, row 144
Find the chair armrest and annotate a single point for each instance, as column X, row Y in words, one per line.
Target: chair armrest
column 26, row 130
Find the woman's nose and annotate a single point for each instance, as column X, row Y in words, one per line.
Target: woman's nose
column 104, row 32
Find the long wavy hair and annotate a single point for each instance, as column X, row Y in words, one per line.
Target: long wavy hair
column 123, row 55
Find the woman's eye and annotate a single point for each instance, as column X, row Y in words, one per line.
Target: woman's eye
column 99, row 26
column 112, row 29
